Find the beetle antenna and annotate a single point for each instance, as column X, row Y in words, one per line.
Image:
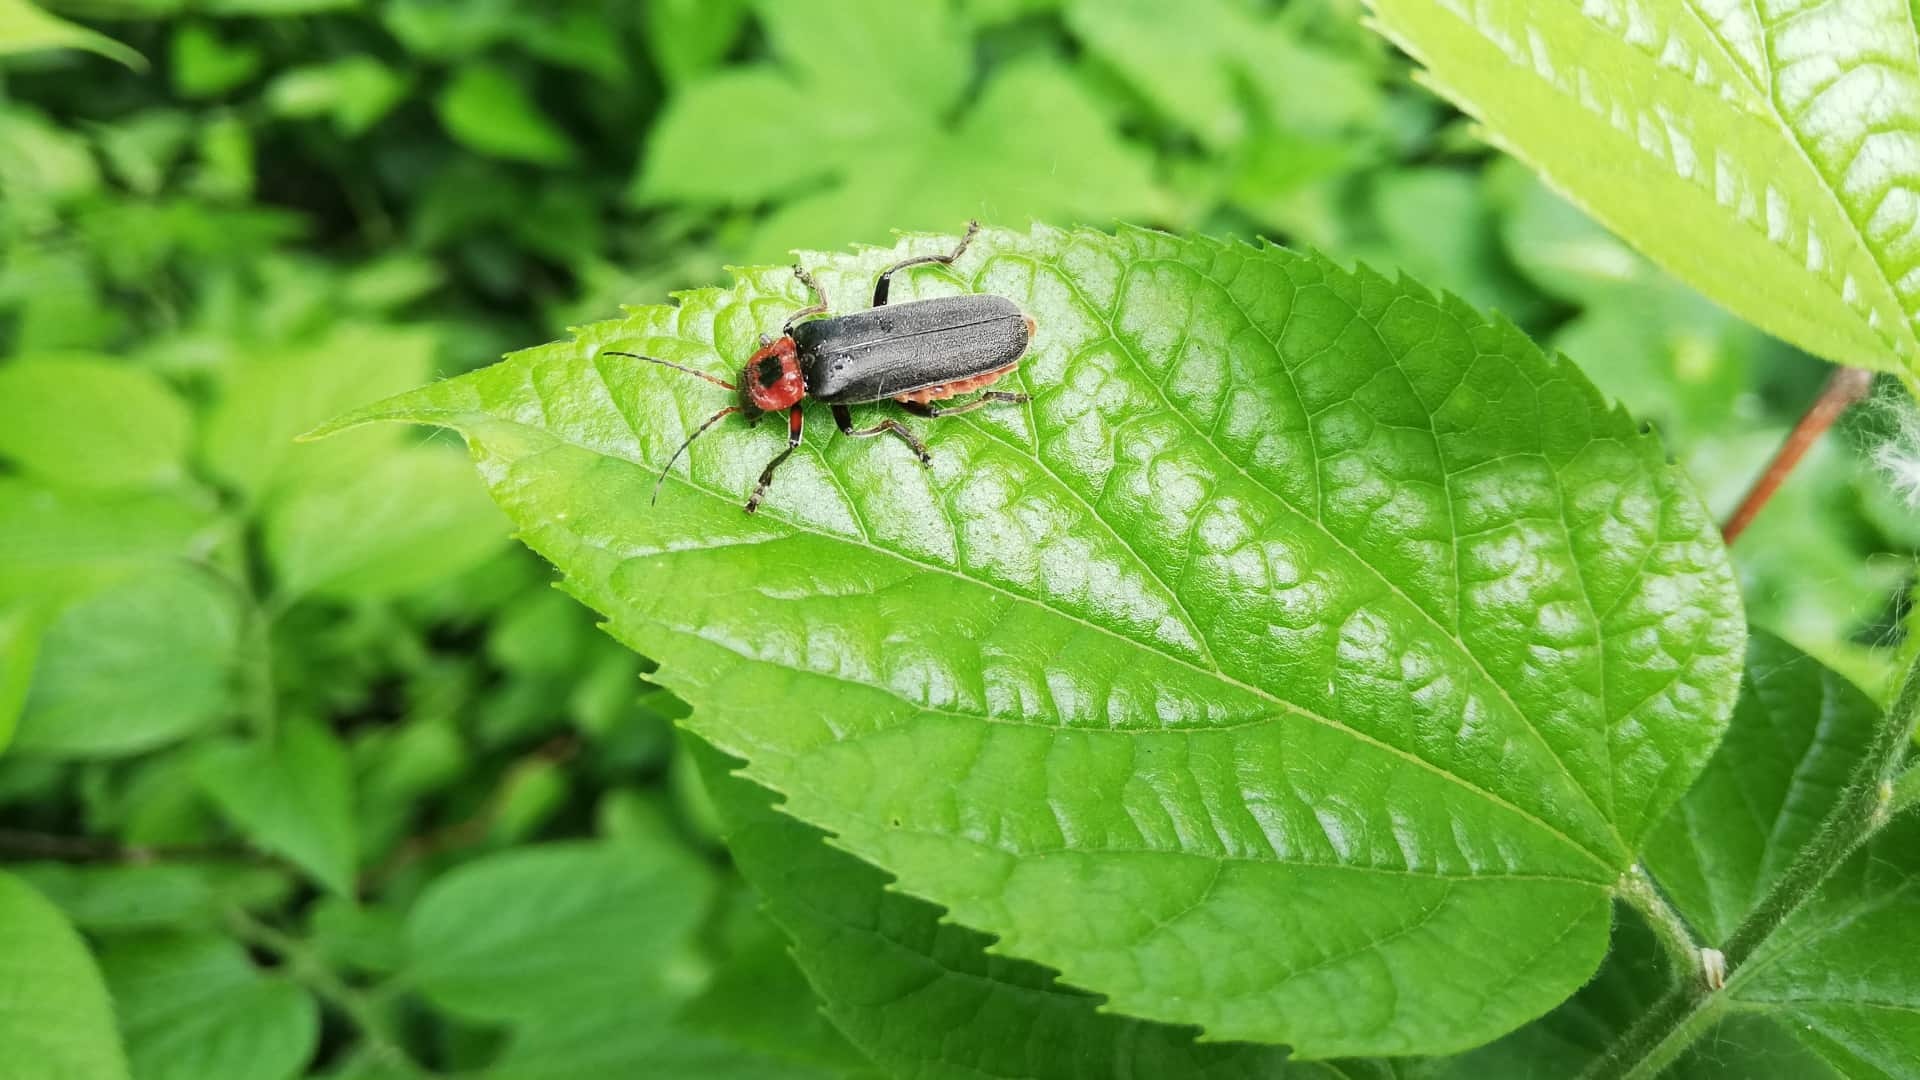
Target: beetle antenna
column 697, row 432
column 715, row 380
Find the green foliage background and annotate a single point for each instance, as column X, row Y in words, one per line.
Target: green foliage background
column 329, row 778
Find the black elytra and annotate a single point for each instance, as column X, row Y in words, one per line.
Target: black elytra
column 917, row 354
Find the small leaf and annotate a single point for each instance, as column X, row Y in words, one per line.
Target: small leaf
column 1837, row 976
column 923, row 996
column 193, row 1007
column 206, row 65
column 546, row 932
column 1764, row 155
column 171, row 895
column 91, row 423
column 489, row 111
column 688, row 37
column 56, row 545
column 1302, row 618
column 412, row 518
column 355, row 91
column 1797, row 735
column 294, row 797
column 143, row 664
column 274, row 396
column 55, row 1018
column 25, row 28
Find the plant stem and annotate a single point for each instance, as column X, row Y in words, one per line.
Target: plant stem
column 1868, row 802
column 24, row 844
column 306, row 966
column 1845, row 388
column 1685, row 953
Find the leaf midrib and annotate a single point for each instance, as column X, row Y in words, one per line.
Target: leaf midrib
column 1281, row 705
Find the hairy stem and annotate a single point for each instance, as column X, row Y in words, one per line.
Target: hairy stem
column 1869, row 801
column 1845, row 388
column 1688, row 958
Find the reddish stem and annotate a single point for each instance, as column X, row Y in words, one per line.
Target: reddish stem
column 1845, row 388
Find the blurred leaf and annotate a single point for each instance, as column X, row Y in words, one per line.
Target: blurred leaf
column 1437, row 226
column 25, row 28
column 1339, row 507
column 137, row 666
column 143, row 148
column 411, row 518
column 293, row 796
column 354, row 91
column 358, row 937
column 42, row 165
column 55, row 545
column 117, row 899
column 55, row 1017
column 921, row 995
column 1200, row 73
column 868, row 162
column 194, row 1008
column 275, row 395
column 544, row 933
column 1732, row 146
column 612, row 1038
column 487, row 109
column 206, row 65
column 688, row 37
column 21, row 627
column 92, row 423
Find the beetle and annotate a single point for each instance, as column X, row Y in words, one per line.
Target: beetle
column 918, row 353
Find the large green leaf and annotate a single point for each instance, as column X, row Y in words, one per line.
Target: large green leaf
column 924, row 998
column 1307, row 637
column 55, row 1020
column 194, row 1007
column 1767, row 154
column 56, row 545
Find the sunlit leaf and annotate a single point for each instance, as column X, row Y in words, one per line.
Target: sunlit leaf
column 1766, row 155
column 25, row 28
column 1304, row 619
column 92, row 423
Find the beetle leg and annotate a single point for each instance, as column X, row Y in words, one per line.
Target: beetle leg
column 843, row 417
column 880, row 286
column 818, row 307
column 989, row 397
column 795, row 422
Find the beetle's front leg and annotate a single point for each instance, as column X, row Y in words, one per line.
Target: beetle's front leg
column 795, row 423
column 844, row 417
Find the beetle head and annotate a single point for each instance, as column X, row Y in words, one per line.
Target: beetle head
column 772, row 379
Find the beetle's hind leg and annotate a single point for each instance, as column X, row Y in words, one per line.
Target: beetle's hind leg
column 795, row 424
column 932, row 409
column 844, row 417
column 886, row 276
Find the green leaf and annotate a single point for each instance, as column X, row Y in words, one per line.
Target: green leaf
column 21, row 627
column 194, row 1007
column 355, row 91
column 689, row 37
column 92, row 423
column 55, row 1018
column 1797, row 734
column 1837, row 975
column 546, row 932
column 1303, row 619
column 118, row 899
column 488, row 110
column 206, row 65
column 293, row 796
column 924, row 997
column 56, row 545
column 615, row 1039
column 410, row 519
column 1765, row 156
column 1201, row 74
column 135, row 667
column 274, row 396
column 25, row 28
